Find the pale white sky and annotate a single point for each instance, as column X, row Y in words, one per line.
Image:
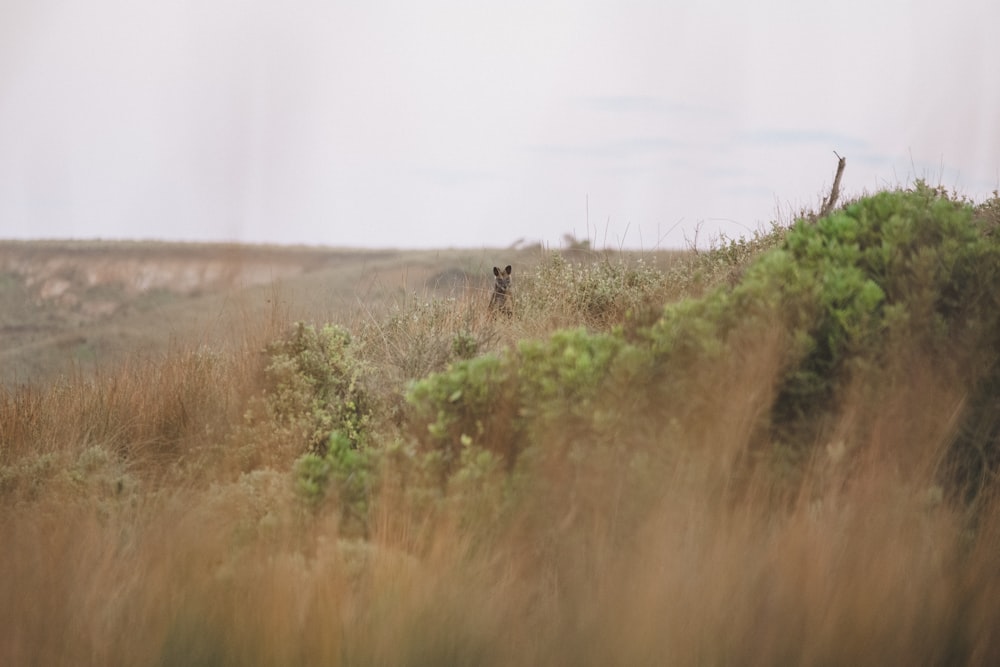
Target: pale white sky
column 461, row 123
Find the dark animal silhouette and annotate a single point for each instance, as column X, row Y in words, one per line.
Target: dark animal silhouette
column 501, row 301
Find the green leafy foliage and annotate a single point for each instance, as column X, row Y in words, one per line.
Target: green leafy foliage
column 346, row 470
column 313, row 387
column 467, row 404
column 464, row 345
column 897, row 269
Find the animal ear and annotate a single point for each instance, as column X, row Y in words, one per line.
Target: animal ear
column 507, row 270
column 496, row 272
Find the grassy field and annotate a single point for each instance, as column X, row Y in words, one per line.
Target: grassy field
column 81, row 305
column 779, row 451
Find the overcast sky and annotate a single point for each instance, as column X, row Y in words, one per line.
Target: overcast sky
column 439, row 123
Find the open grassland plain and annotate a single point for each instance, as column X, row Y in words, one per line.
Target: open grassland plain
column 783, row 450
column 70, row 306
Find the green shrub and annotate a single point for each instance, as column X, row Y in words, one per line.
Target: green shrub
column 313, row 388
column 464, row 345
column 490, row 400
column 563, row 376
column 468, row 406
column 349, row 470
column 899, row 268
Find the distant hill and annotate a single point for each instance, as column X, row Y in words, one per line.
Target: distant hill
column 75, row 306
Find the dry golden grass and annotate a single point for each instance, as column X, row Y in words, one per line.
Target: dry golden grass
column 141, row 559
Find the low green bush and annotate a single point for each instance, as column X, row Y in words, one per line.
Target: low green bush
column 464, row 407
column 346, row 470
column 313, row 387
column 899, row 270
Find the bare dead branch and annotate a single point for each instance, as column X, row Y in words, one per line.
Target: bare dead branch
column 831, row 201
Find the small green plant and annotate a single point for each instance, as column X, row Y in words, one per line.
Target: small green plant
column 346, row 470
column 464, row 345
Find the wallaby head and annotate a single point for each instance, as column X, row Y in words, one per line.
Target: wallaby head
column 500, row 300
column 502, row 280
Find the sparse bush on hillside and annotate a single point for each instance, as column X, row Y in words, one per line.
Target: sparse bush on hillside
column 987, row 213
column 900, row 277
column 417, row 338
column 313, row 388
column 723, row 263
column 314, row 398
column 577, row 401
column 493, row 399
column 598, row 294
column 900, row 269
column 899, row 273
column 423, row 336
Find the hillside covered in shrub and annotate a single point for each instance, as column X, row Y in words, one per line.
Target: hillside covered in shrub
column 781, row 450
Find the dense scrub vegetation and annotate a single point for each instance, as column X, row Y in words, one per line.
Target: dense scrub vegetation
column 781, row 450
